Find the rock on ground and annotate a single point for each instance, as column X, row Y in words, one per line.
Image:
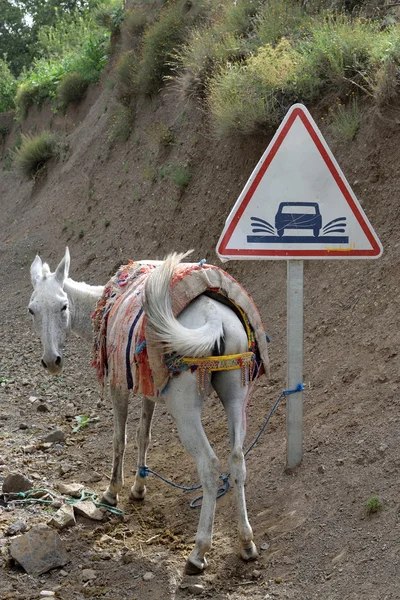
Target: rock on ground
column 39, row 550
column 15, row 482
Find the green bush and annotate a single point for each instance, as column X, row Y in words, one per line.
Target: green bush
column 205, row 51
column 135, row 21
column 42, row 81
column 121, row 123
column 162, row 40
column 71, row 88
column 35, row 151
column 238, row 17
column 159, row 43
column 125, row 71
column 178, row 174
column 109, row 16
column 346, row 121
column 245, row 97
column 280, row 18
column 39, row 84
column 64, row 38
column 8, row 87
column 336, row 56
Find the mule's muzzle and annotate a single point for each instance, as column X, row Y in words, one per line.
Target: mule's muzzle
column 53, row 366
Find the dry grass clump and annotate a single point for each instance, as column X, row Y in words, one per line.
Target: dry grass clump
column 35, row 151
column 126, row 72
column 245, row 97
column 71, row 88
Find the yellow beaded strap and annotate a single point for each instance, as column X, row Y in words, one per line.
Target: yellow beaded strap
column 205, row 365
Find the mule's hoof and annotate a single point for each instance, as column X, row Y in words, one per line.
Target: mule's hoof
column 136, row 495
column 109, row 499
column 249, row 553
column 195, row 569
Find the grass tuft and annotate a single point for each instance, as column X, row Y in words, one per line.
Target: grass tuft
column 178, row 174
column 35, row 151
column 121, row 123
column 110, row 16
column 346, row 122
column 126, row 72
column 373, row 504
column 71, row 88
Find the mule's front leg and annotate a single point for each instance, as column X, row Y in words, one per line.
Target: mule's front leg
column 120, row 408
column 138, row 489
column 185, row 404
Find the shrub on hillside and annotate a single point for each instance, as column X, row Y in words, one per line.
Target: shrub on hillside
column 135, row 21
column 238, row 16
column 125, row 71
column 8, row 86
column 71, row 88
column 280, row 18
column 35, row 151
column 42, row 81
column 205, row 51
column 245, row 97
column 121, row 123
column 109, row 16
column 337, row 56
column 161, row 41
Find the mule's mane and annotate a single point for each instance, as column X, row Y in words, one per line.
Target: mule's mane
column 84, row 288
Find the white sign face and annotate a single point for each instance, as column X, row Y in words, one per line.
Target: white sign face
column 297, row 203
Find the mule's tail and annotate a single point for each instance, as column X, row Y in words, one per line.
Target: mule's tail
column 162, row 325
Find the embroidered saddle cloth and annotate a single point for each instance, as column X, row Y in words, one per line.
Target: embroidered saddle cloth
column 121, row 351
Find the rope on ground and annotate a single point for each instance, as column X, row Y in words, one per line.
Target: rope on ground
column 144, row 471
column 25, row 498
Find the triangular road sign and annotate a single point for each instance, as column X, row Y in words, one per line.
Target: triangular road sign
column 298, row 203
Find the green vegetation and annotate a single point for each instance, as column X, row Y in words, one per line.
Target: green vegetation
column 245, row 62
column 178, row 174
column 83, row 422
column 21, row 38
column 121, row 123
column 125, row 71
column 109, row 16
column 72, row 88
column 373, row 504
column 8, row 86
column 346, row 122
column 35, row 151
column 161, row 40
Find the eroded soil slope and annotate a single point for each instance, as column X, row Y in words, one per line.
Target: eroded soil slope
column 110, row 203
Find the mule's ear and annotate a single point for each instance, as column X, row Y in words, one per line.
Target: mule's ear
column 36, row 270
column 63, row 268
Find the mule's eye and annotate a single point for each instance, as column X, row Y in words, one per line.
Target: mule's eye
column 31, row 311
column 64, row 307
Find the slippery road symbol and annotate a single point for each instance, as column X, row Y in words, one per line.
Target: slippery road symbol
column 298, row 216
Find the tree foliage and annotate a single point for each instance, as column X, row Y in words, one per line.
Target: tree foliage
column 23, row 20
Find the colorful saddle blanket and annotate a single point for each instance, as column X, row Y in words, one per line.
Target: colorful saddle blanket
column 121, row 351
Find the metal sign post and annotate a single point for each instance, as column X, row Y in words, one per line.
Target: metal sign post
column 294, row 402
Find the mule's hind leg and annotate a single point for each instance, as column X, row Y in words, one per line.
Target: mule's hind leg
column 143, row 437
column 185, row 404
column 120, row 408
column 232, row 393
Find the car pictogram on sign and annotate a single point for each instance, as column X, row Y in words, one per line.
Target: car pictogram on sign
column 298, row 215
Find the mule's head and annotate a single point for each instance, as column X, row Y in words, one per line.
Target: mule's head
column 49, row 309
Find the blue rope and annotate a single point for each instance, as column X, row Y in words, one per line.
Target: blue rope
column 144, row 471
